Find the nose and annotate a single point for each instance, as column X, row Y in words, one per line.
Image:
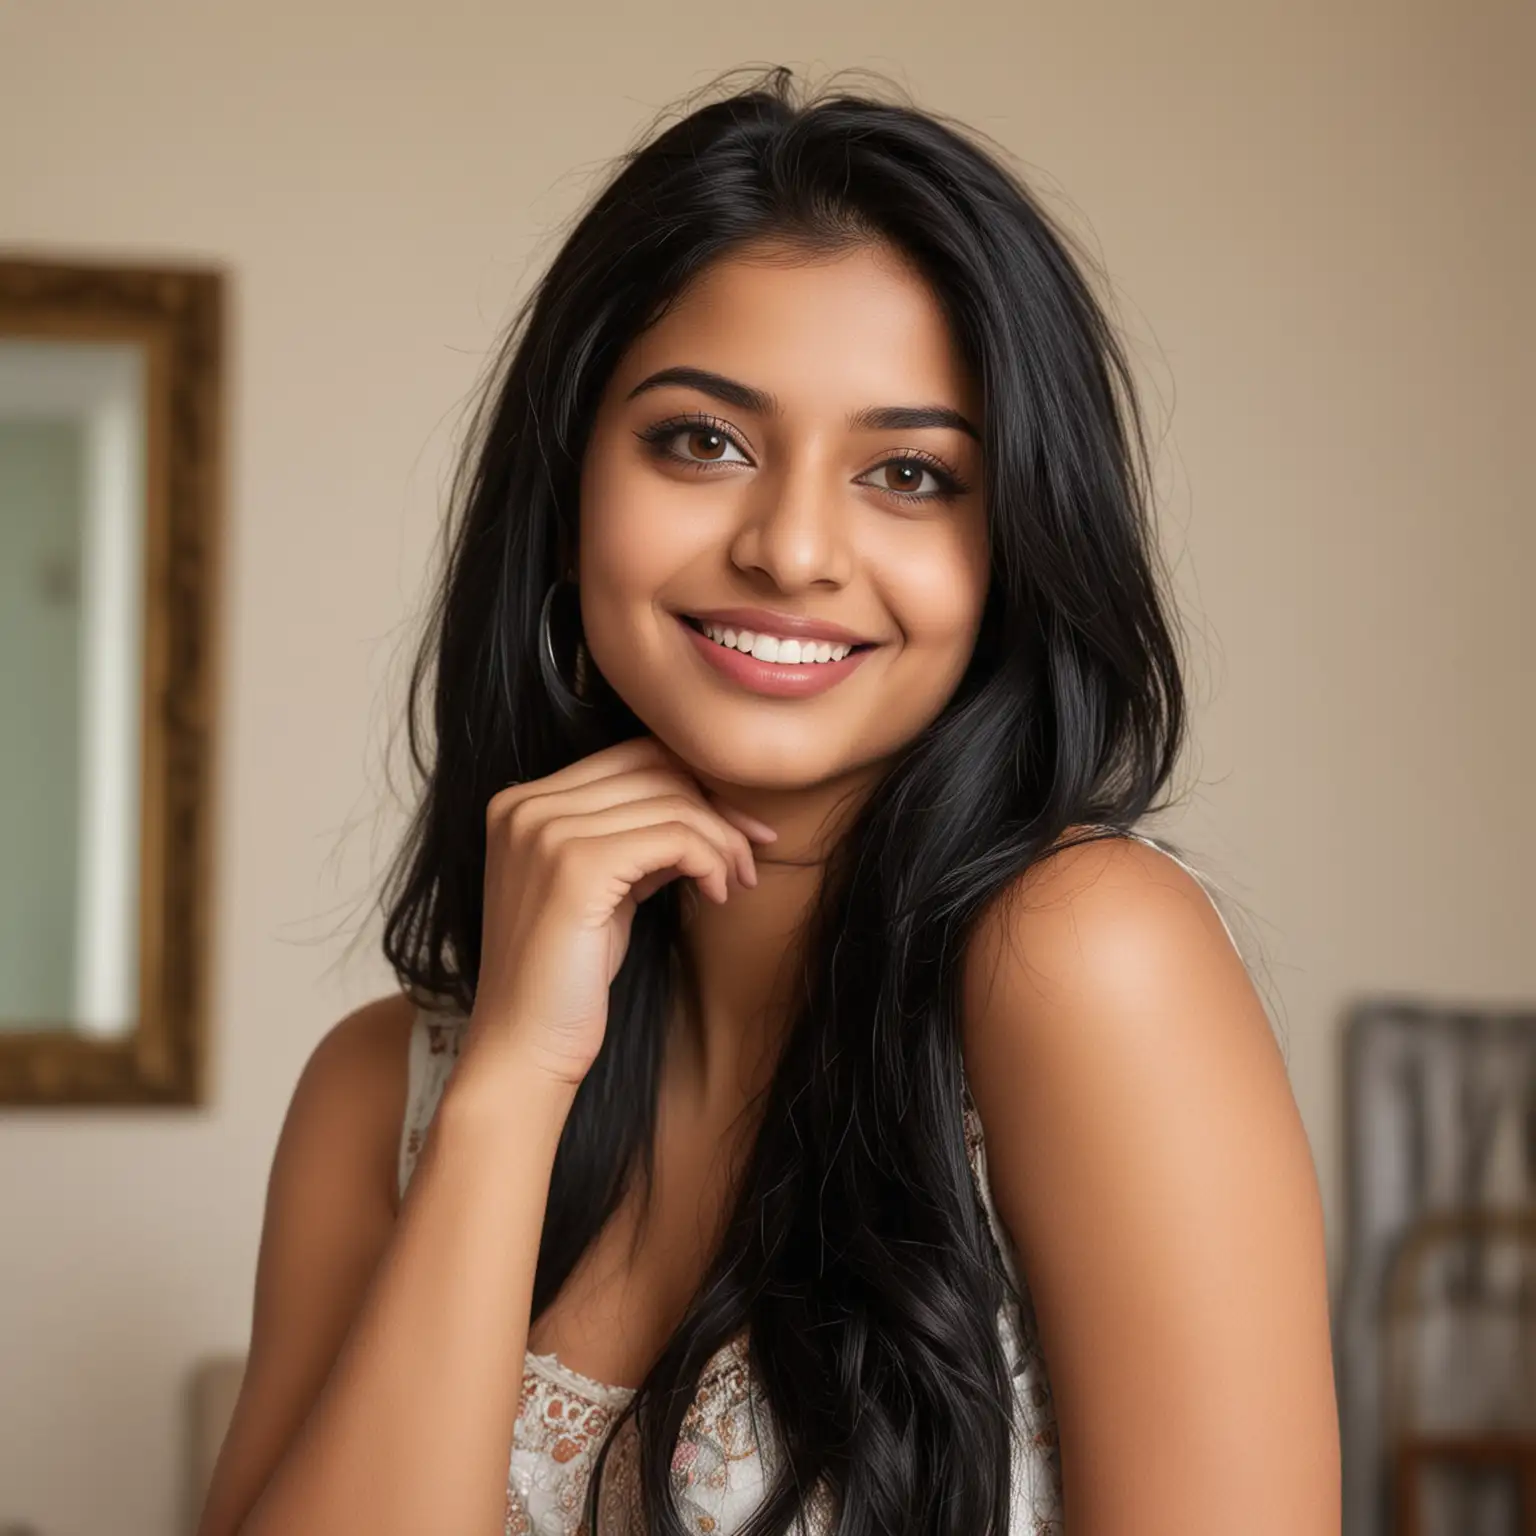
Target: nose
column 794, row 530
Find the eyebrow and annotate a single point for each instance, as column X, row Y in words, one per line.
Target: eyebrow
column 874, row 418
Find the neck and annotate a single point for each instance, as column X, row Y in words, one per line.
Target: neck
column 741, row 961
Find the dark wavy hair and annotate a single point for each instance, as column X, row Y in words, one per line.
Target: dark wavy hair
column 857, row 1256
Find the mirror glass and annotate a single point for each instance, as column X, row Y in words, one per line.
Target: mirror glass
column 72, row 517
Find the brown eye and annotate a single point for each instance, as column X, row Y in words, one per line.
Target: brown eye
column 693, row 441
column 913, row 479
column 903, row 475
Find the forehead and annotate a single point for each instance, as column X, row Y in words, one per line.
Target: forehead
column 855, row 328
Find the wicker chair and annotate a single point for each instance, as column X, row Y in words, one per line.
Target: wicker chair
column 1465, row 1417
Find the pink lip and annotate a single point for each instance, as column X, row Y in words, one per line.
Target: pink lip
column 801, row 681
column 789, row 626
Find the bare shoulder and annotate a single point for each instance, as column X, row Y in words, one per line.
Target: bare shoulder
column 1148, row 1160
column 347, row 1106
column 334, row 1170
column 368, row 1038
column 330, row 1210
column 356, row 1073
column 1101, row 992
column 335, row 1162
column 1112, row 912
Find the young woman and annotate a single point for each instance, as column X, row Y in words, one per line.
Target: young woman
column 809, row 1104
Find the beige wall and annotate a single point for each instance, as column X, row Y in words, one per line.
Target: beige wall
column 1319, row 218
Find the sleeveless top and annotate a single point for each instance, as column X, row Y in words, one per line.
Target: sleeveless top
column 725, row 1455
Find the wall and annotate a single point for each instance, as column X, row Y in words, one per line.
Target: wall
column 1318, row 219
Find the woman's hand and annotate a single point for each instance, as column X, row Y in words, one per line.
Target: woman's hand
column 568, row 858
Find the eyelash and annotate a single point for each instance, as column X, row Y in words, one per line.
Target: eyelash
column 660, row 433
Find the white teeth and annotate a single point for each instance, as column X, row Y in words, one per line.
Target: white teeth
column 771, row 648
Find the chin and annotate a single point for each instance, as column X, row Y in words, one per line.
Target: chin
column 788, row 769
column 758, row 744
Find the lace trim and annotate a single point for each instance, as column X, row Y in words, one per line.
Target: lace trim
column 555, row 1371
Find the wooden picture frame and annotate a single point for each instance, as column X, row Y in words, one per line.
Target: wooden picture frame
column 176, row 315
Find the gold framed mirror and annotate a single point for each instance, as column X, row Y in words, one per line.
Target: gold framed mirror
column 110, row 466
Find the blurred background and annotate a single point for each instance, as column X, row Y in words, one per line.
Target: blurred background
column 1318, row 225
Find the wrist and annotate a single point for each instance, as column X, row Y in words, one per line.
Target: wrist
column 518, row 1046
column 499, row 1087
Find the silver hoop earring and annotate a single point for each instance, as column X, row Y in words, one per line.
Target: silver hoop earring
column 569, row 699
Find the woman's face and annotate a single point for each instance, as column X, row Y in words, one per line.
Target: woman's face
column 789, row 455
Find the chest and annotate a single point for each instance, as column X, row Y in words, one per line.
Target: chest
column 632, row 1286
column 598, row 1339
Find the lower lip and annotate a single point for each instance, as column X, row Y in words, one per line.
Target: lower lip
column 800, row 680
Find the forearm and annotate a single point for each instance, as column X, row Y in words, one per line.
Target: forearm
column 413, row 1428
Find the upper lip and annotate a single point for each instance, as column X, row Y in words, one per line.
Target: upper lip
column 764, row 621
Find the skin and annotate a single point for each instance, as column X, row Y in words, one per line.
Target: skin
column 1144, row 1147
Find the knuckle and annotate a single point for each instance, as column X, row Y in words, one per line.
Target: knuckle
column 643, row 749
column 684, row 832
column 570, row 871
column 568, row 861
column 503, row 803
column 548, row 838
column 522, row 818
column 706, row 845
column 682, row 809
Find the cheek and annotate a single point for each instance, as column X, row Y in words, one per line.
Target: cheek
column 608, row 488
column 936, row 592
column 634, row 541
column 623, row 524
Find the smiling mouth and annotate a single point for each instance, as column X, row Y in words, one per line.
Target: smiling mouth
column 773, row 648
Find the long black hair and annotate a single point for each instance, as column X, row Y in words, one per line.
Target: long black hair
column 857, row 1258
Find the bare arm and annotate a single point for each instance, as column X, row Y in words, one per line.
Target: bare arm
column 384, row 1372
column 387, row 1355
column 330, row 1212
column 1148, row 1160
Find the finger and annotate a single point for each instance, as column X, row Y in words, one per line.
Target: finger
column 652, row 883
column 624, row 757
column 646, row 786
column 667, row 848
column 659, row 784
column 674, row 806
column 758, row 830
column 645, row 781
column 632, row 769
column 612, row 789
column 748, row 823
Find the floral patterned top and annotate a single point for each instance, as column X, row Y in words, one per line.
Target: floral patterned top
column 725, row 1457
